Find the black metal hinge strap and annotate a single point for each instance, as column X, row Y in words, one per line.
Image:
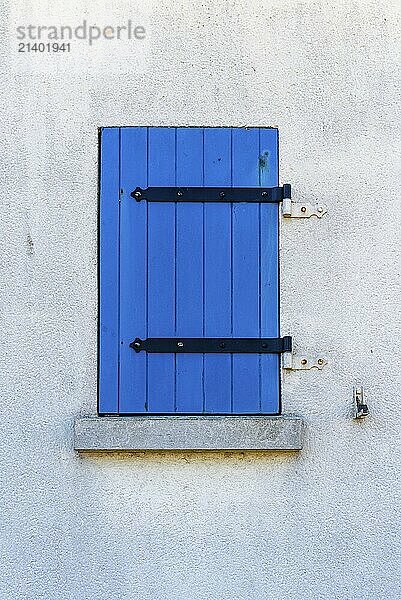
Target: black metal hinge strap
column 212, row 194
column 215, row 345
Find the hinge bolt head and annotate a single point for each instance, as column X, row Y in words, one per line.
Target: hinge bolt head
column 180, row 344
column 222, row 345
column 320, row 361
column 137, row 194
column 222, row 194
column 264, row 193
column 303, row 209
column 137, row 344
column 303, row 361
column 320, row 209
column 179, row 193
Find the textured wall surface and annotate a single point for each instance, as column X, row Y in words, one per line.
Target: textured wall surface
column 321, row 524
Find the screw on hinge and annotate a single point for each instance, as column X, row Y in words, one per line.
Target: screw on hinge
column 137, row 194
column 136, row 344
column 361, row 409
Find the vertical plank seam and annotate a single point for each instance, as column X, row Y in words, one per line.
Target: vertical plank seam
column 260, row 277
column 119, row 274
column 203, row 272
column 147, row 276
column 232, row 275
column 175, row 270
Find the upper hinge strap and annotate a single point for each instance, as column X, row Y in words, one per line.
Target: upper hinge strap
column 212, row 194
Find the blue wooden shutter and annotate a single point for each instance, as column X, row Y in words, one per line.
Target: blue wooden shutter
column 187, row 269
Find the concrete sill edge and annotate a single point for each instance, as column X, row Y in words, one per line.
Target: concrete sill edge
column 137, row 433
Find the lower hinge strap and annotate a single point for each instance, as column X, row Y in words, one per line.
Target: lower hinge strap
column 214, row 345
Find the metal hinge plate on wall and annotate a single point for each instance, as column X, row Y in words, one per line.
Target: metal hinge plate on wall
column 303, row 210
column 293, row 362
column 300, row 210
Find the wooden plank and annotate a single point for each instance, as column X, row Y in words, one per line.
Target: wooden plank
column 269, row 272
column 218, row 299
column 133, row 264
column 108, row 271
column 189, row 271
column 245, row 252
column 161, row 270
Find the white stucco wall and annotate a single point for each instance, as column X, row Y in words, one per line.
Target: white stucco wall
column 321, row 524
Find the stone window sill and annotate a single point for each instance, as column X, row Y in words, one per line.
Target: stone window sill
column 277, row 433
